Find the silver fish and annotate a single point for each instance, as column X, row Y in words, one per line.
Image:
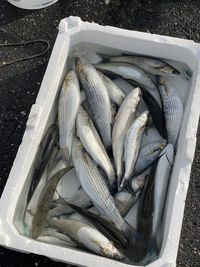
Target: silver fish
column 94, row 184
column 132, row 145
column 147, row 155
column 162, row 177
column 98, row 99
column 53, row 232
column 92, row 143
column 128, row 71
column 134, row 74
column 173, row 109
column 54, row 159
column 87, row 236
column 148, row 64
column 116, row 94
column 69, row 101
column 151, row 206
column 123, row 120
column 45, row 150
column 138, row 181
column 40, row 217
column 80, row 198
column 96, row 187
column 78, row 217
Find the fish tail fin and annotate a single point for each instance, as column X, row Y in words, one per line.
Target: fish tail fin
column 153, row 246
column 152, row 253
column 137, row 246
column 113, row 188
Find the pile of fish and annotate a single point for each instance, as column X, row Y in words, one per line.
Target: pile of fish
column 98, row 134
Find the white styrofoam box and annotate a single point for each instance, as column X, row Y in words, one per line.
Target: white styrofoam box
column 74, row 33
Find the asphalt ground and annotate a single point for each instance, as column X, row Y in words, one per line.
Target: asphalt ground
column 20, row 83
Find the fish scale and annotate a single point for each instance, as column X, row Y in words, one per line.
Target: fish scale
column 94, row 184
column 132, row 144
column 173, row 109
column 133, row 73
column 127, row 202
column 69, row 101
column 150, row 65
column 125, row 116
column 93, row 144
column 109, row 208
column 80, row 198
column 147, row 155
column 98, row 99
column 115, row 93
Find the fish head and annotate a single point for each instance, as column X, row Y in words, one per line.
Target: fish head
column 110, row 251
column 136, row 92
column 80, row 63
column 143, row 118
column 167, row 69
column 70, row 75
column 70, row 78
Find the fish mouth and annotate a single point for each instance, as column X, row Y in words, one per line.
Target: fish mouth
column 112, row 252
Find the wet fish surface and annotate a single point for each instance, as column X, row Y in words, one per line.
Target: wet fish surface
column 94, row 184
column 80, row 198
column 69, row 101
column 44, row 153
column 40, row 217
column 123, row 120
column 147, row 155
column 116, row 94
column 98, row 99
column 125, row 201
column 173, row 109
column 91, row 141
column 154, row 195
column 129, row 72
column 156, row 112
column 150, row 65
column 162, row 176
column 87, row 236
column 137, row 182
column 132, row 145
